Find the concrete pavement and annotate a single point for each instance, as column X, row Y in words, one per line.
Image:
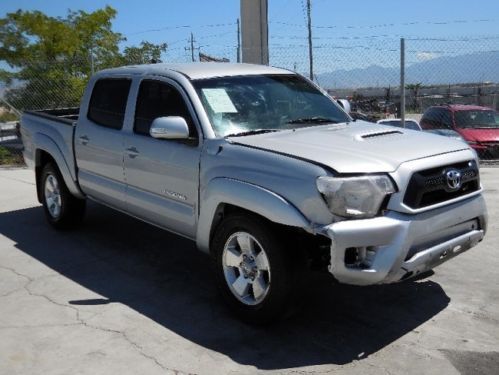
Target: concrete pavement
column 120, row 296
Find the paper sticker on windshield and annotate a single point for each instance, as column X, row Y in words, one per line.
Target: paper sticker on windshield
column 219, row 101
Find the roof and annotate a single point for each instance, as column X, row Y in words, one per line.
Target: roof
column 200, row 70
column 465, row 107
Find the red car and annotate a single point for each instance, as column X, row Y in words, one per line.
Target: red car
column 479, row 126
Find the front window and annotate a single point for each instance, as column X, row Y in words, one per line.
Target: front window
column 265, row 102
column 477, row 119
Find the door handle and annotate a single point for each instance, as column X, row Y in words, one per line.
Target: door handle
column 83, row 140
column 132, row 152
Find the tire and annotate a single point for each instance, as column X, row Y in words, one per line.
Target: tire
column 254, row 294
column 62, row 209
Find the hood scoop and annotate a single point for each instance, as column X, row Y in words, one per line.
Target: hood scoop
column 380, row 134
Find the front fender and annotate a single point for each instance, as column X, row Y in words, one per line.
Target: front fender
column 247, row 196
column 45, row 143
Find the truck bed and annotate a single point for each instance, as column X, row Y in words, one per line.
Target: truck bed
column 63, row 115
column 50, row 130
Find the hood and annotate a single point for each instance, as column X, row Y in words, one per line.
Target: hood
column 357, row 147
column 480, row 135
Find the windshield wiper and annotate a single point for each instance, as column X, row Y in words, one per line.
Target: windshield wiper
column 312, row 120
column 252, row 132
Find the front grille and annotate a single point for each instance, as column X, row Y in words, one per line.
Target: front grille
column 430, row 186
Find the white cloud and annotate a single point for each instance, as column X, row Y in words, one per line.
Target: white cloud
column 425, row 56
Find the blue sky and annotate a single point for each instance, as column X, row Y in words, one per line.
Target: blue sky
column 346, row 33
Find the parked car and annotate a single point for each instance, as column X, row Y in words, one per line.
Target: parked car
column 264, row 171
column 409, row 123
column 447, row 133
column 414, row 125
column 479, row 126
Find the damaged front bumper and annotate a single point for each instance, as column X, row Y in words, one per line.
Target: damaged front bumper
column 398, row 246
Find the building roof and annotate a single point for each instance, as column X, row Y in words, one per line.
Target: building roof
column 200, row 70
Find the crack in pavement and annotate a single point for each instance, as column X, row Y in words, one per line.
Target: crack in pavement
column 79, row 320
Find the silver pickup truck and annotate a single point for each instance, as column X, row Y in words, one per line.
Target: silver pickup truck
column 264, row 171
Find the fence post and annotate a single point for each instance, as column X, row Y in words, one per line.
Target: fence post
column 402, row 81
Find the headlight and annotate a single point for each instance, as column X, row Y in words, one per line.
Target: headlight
column 355, row 197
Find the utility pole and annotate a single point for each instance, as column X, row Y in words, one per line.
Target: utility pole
column 92, row 68
column 402, row 82
column 310, row 55
column 238, row 42
column 191, row 46
column 254, row 32
column 92, row 62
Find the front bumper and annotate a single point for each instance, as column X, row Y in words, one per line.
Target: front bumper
column 398, row 246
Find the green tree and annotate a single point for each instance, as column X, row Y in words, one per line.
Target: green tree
column 51, row 58
column 145, row 54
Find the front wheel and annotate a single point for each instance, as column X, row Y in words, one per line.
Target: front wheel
column 62, row 209
column 255, row 271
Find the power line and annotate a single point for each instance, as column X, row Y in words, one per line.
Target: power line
column 182, row 27
column 385, row 24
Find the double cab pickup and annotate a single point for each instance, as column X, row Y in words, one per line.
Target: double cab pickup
column 264, row 171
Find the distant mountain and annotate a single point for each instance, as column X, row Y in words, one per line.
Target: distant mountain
column 476, row 67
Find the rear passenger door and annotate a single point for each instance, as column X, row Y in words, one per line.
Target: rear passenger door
column 99, row 142
column 162, row 175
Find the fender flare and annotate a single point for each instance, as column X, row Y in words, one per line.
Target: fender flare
column 245, row 195
column 45, row 143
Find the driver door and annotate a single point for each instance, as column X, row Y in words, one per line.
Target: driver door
column 162, row 176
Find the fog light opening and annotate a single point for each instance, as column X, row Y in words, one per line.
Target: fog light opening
column 359, row 257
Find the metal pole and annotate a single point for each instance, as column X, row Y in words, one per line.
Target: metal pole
column 310, row 55
column 402, row 81
column 238, row 42
column 92, row 61
column 192, row 46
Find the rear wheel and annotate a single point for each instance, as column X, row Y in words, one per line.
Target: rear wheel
column 255, row 271
column 62, row 209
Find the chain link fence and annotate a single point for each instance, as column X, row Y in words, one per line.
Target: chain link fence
column 451, row 84
column 439, row 73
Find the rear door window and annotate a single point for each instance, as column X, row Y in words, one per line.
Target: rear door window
column 108, row 102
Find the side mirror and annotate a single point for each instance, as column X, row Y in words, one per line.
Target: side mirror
column 170, row 127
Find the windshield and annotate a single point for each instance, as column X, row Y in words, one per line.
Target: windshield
column 245, row 104
column 477, row 119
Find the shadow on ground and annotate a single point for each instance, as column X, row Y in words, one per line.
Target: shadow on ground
column 165, row 278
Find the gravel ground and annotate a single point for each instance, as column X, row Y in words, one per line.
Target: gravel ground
column 120, row 296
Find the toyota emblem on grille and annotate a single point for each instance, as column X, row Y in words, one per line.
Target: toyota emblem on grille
column 453, row 179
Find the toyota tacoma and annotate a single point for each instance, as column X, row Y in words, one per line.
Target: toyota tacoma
column 264, row 171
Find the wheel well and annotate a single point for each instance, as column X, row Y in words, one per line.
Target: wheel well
column 42, row 158
column 225, row 209
column 315, row 247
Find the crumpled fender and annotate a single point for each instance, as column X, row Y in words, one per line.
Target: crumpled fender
column 247, row 196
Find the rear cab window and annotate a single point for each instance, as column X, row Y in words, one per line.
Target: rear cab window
column 108, row 102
